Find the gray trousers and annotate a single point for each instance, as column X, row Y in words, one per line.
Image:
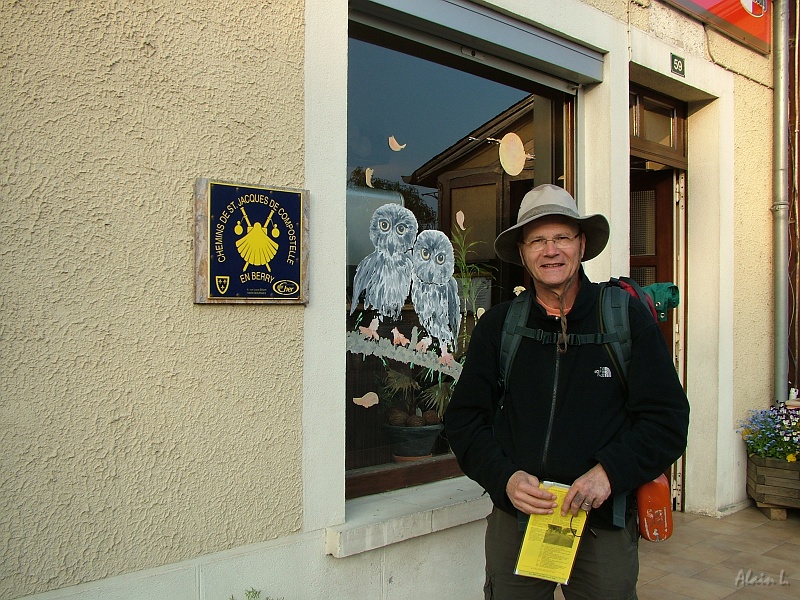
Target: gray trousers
column 606, row 566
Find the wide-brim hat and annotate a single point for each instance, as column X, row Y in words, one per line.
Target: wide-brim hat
column 549, row 199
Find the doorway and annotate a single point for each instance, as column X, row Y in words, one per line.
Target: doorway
column 652, row 230
column 657, row 241
column 658, row 170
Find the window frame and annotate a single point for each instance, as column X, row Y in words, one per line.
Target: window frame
column 393, row 476
column 674, row 155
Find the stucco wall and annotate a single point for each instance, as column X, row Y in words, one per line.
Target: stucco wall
column 137, row 428
column 753, row 253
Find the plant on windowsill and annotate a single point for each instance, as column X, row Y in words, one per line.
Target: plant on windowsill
column 405, row 398
column 772, row 437
column 413, row 412
column 400, row 391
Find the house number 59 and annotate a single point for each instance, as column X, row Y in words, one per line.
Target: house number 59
column 678, row 65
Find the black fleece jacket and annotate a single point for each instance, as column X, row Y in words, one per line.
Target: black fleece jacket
column 563, row 413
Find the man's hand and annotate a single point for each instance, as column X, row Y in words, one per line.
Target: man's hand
column 525, row 494
column 588, row 491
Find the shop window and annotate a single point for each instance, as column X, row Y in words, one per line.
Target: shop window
column 426, row 135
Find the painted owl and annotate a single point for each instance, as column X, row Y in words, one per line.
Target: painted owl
column 384, row 276
column 434, row 292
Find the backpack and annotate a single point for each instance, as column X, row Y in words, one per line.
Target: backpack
column 615, row 329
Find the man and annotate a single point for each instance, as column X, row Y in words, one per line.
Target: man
column 563, row 418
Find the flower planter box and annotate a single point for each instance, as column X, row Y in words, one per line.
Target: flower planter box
column 773, row 481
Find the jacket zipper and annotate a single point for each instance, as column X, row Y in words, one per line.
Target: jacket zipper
column 552, row 411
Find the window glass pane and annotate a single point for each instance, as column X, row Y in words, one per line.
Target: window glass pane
column 657, row 122
column 644, row 276
column 479, row 202
column 426, row 182
column 643, row 223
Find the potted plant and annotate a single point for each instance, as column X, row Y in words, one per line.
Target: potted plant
column 414, row 407
column 772, row 437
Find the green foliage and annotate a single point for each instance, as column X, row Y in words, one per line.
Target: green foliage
column 437, row 396
column 426, row 216
column 465, row 270
column 400, row 389
column 772, row 433
column 428, row 389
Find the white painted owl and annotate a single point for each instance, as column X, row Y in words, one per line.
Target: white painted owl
column 384, row 276
column 434, row 292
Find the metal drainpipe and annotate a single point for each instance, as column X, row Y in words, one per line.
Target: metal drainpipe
column 780, row 191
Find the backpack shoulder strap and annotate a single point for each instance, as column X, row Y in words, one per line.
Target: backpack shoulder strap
column 613, row 308
column 635, row 290
column 517, row 316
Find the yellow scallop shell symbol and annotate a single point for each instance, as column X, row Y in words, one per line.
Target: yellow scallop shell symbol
column 256, row 247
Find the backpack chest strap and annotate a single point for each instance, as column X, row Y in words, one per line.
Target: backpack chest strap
column 573, row 339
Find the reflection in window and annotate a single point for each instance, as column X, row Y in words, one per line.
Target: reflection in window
column 657, row 122
column 657, row 126
column 477, row 201
column 424, row 139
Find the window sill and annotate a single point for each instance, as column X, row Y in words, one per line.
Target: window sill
column 376, row 521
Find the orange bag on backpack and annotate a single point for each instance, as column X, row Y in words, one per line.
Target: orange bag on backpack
column 654, row 500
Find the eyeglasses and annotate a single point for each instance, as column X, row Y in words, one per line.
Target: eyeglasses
column 572, row 530
column 560, row 241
